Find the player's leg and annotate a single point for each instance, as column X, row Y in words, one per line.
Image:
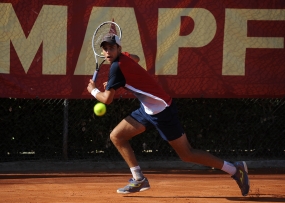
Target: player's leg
column 238, row 170
column 120, row 136
column 188, row 154
column 170, row 129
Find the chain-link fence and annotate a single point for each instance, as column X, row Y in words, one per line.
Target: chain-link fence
column 59, row 129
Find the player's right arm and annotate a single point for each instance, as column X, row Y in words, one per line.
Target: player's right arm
column 105, row 97
column 116, row 80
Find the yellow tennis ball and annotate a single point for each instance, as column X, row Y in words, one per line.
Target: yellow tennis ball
column 100, row 109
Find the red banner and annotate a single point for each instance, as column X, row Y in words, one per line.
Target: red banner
column 206, row 48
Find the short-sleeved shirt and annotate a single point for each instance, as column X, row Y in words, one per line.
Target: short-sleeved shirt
column 125, row 72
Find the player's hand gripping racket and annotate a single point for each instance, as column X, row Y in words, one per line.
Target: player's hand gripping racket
column 102, row 30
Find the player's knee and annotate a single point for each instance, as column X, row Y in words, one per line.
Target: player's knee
column 115, row 136
column 187, row 156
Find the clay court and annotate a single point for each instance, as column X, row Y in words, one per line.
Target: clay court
column 167, row 186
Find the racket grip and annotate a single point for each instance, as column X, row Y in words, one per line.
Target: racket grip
column 94, row 76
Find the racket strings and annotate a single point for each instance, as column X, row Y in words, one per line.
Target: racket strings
column 103, row 30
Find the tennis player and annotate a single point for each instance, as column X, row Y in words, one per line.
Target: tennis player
column 156, row 109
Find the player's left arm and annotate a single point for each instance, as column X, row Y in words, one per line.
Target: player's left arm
column 136, row 58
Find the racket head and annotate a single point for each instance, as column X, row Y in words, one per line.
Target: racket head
column 107, row 27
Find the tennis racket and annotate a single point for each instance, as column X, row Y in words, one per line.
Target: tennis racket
column 102, row 30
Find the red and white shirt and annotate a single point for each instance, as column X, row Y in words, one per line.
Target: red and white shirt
column 125, row 72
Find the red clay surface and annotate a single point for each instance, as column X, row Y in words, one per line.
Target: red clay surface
column 190, row 187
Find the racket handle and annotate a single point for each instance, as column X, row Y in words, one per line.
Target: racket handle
column 94, row 76
column 96, row 70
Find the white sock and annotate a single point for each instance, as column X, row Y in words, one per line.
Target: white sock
column 229, row 168
column 137, row 173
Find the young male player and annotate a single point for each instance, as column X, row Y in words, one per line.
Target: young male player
column 157, row 109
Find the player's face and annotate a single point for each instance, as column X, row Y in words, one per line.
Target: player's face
column 111, row 51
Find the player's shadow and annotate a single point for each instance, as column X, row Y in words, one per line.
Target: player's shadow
column 257, row 199
column 238, row 199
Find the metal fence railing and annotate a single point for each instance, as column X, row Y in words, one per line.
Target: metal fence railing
column 61, row 129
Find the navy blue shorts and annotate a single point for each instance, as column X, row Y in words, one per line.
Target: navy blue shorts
column 166, row 122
